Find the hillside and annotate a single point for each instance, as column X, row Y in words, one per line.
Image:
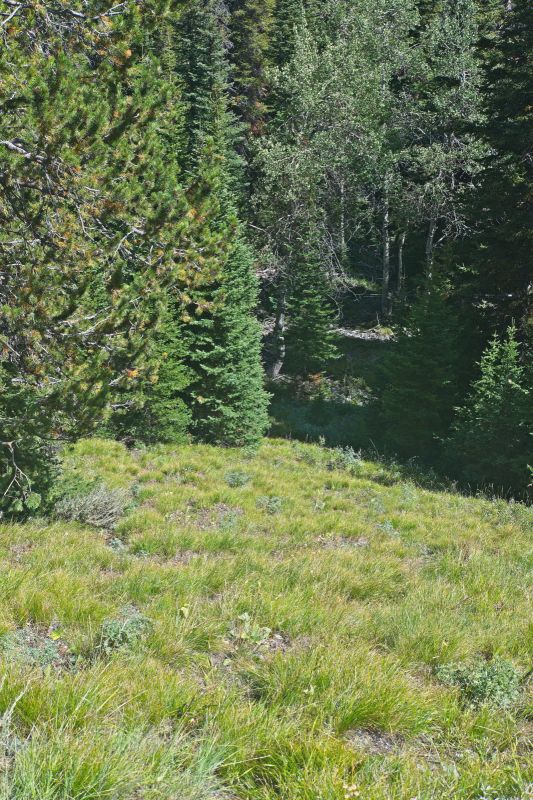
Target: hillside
column 285, row 624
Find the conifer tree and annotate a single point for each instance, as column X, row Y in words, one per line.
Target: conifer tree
column 505, row 203
column 421, row 380
column 310, row 341
column 288, row 17
column 226, row 395
column 95, row 224
column 492, row 436
column 250, row 27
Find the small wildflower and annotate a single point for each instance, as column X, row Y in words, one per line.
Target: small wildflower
column 351, row 791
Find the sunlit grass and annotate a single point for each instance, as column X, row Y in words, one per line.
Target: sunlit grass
column 296, row 616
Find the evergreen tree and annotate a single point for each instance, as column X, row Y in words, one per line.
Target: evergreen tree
column 154, row 410
column 503, row 254
column 250, row 24
column 287, row 18
column 310, row 341
column 421, row 380
column 95, row 224
column 226, row 396
column 228, row 399
column 492, row 437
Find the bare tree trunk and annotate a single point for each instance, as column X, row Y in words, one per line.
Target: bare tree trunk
column 280, row 327
column 430, row 239
column 401, row 266
column 385, row 286
column 343, row 224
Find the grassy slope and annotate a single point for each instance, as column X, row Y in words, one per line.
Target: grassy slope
column 364, row 587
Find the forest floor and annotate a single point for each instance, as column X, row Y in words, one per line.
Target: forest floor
column 290, row 624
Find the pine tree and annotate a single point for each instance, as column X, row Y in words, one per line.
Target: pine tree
column 493, row 433
column 95, row 224
column 421, row 380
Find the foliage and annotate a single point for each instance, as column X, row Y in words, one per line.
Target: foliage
column 173, row 170
column 421, row 379
column 123, row 632
column 493, row 433
column 346, row 458
column 496, row 682
column 99, row 506
column 33, row 647
column 156, row 410
column 228, row 399
column 310, row 340
column 237, row 478
column 95, row 221
column 28, row 459
column 272, row 504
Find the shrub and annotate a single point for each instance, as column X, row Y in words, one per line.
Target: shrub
column 346, row 458
column 270, row 503
column 31, row 646
column 99, row 506
column 122, row 632
column 236, row 479
column 496, row 682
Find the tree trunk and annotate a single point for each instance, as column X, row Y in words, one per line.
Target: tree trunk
column 385, row 286
column 280, row 327
column 429, row 246
column 401, row 266
column 342, row 224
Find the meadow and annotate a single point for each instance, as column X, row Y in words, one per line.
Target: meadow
column 287, row 623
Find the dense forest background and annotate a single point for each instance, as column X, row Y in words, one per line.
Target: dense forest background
column 207, row 207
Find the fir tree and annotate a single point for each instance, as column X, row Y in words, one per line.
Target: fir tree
column 310, row 340
column 505, row 207
column 493, row 433
column 288, row 17
column 421, row 380
column 250, row 24
column 229, row 402
column 226, row 396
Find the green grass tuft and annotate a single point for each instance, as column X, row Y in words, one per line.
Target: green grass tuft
column 322, row 628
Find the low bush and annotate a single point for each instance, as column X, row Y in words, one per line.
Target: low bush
column 122, row 632
column 99, row 506
column 236, row 479
column 270, row 503
column 496, row 682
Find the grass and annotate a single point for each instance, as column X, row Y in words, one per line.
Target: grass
column 269, row 626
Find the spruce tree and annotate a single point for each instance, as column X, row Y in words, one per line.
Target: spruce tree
column 287, row 18
column 492, row 439
column 504, row 262
column 250, row 27
column 228, row 399
column 310, row 341
column 421, row 380
column 226, row 396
